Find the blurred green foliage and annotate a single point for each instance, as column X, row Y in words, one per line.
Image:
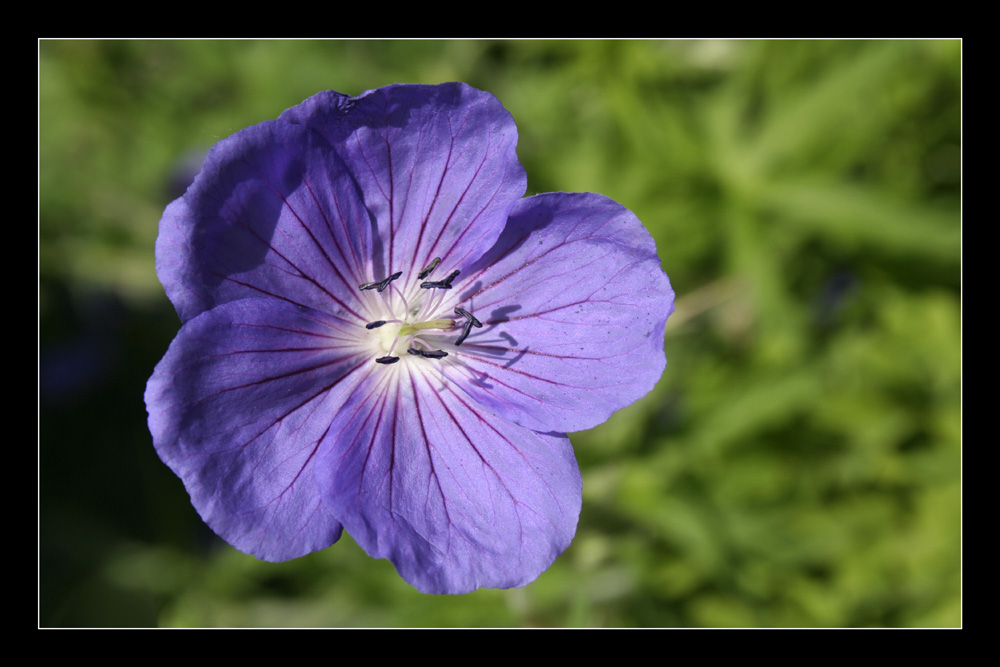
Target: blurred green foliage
column 799, row 463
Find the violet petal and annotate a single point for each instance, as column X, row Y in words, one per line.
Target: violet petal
column 574, row 304
column 437, row 166
column 456, row 498
column 237, row 409
column 273, row 213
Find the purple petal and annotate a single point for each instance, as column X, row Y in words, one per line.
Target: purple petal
column 573, row 303
column 274, row 212
column 456, row 498
column 237, row 409
column 437, row 166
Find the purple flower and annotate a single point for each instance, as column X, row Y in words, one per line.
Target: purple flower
column 381, row 335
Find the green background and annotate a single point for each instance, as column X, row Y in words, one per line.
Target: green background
column 797, row 465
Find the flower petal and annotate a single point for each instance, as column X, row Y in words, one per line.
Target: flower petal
column 237, row 409
column 437, row 165
column 274, row 212
column 573, row 303
column 456, row 498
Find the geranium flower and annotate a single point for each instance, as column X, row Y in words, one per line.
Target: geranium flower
column 381, row 335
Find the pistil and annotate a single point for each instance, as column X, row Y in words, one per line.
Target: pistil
column 409, row 329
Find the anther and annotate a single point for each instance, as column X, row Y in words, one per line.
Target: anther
column 427, row 269
column 469, row 316
column 428, row 354
column 386, row 360
column 465, row 333
column 374, row 325
column 441, row 284
column 470, row 321
column 381, row 284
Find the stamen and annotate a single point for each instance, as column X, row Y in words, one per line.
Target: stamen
column 406, row 306
column 386, row 360
column 381, row 284
column 441, row 284
column 427, row 269
column 433, row 304
column 428, row 354
column 374, row 325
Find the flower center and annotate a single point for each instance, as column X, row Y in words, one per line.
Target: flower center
column 417, row 328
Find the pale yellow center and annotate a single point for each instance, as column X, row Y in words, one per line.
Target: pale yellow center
column 387, row 333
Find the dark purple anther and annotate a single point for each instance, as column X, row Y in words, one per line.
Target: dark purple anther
column 428, row 354
column 470, row 321
column 469, row 316
column 427, row 269
column 441, row 284
column 381, row 284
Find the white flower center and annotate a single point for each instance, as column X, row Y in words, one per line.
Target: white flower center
column 386, row 336
column 420, row 320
